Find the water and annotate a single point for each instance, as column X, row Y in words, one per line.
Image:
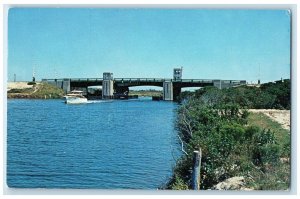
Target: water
column 103, row 144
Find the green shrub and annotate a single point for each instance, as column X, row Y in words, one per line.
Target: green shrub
column 179, row 184
column 265, row 149
column 216, row 121
column 31, row 83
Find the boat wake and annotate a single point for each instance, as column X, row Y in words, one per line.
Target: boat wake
column 98, row 101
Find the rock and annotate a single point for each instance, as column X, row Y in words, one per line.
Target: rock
column 234, row 183
column 284, row 160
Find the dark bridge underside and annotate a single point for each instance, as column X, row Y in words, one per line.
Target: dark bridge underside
column 85, row 83
column 78, row 83
column 122, row 85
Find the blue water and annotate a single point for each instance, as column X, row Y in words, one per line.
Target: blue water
column 103, row 144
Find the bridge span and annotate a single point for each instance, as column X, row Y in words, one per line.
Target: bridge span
column 116, row 86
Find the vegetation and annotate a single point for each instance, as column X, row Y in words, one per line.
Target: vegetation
column 24, row 90
column 146, row 92
column 48, row 91
column 270, row 95
column 31, row 83
column 38, row 91
column 233, row 141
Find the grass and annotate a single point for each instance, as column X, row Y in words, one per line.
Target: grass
column 40, row 91
column 47, row 91
column 270, row 174
column 24, row 91
column 277, row 176
column 282, row 135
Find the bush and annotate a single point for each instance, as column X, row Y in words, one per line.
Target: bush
column 265, row 149
column 270, row 95
column 31, row 83
column 215, row 121
column 179, row 184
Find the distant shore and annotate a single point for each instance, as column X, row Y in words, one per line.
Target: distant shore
column 30, row 90
column 26, row 90
column 146, row 93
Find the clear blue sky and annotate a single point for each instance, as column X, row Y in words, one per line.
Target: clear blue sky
column 208, row 44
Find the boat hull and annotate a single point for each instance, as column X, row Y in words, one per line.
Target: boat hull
column 75, row 100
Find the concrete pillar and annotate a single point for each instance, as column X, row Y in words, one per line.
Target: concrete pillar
column 168, row 91
column 107, row 86
column 218, row 83
column 66, row 85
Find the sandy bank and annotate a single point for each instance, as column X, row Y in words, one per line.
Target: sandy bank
column 18, row 85
column 280, row 116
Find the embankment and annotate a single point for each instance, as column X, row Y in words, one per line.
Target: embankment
column 34, row 91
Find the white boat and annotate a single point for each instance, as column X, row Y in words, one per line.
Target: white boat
column 75, row 97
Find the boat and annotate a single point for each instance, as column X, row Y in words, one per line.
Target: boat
column 75, row 97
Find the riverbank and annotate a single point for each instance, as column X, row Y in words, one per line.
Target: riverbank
column 26, row 90
column 145, row 93
column 242, row 148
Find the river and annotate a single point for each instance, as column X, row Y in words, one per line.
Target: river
column 120, row 144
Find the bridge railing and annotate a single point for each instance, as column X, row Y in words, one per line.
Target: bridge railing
column 149, row 80
column 162, row 80
column 195, row 80
column 86, row 79
column 141, row 79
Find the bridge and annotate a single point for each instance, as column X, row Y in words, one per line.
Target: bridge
column 119, row 86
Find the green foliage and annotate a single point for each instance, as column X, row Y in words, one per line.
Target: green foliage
column 281, row 134
column 179, row 184
column 265, row 149
column 217, row 121
column 270, row 95
column 281, row 90
column 149, row 92
column 24, row 90
column 31, row 83
column 38, row 91
column 48, row 91
column 250, row 131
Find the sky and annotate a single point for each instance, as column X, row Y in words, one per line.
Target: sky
column 148, row 43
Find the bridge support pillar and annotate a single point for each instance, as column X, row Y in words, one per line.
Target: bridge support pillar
column 168, row 91
column 217, row 83
column 66, row 85
column 107, row 86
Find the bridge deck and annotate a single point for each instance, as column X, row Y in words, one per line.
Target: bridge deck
column 129, row 82
column 145, row 80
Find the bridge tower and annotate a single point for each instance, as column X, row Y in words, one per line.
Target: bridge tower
column 172, row 89
column 107, row 86
column 177, row 74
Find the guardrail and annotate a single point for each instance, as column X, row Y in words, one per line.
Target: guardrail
column 162, row 80
column 150, row 80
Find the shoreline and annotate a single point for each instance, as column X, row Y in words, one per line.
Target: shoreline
column 33, row 90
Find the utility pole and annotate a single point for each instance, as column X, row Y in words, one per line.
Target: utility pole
column 15, row 77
